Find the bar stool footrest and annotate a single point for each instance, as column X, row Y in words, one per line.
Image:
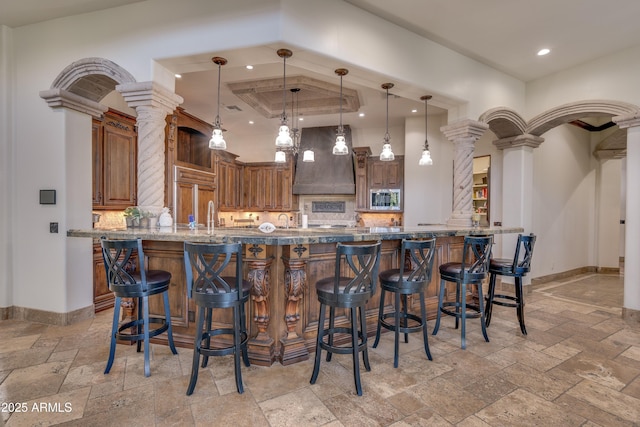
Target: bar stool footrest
column 341, row 349
column 140, row 322
column 473, row 311
column 404, row 329
column 506, row 303
column 220, row 351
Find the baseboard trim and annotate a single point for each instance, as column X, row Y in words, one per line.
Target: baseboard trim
column 630, row 315
column 563, row 275
column 47, row 317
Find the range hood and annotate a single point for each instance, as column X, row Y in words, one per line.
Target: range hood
column 329, row 174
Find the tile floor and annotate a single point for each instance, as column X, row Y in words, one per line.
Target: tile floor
column 579, row 366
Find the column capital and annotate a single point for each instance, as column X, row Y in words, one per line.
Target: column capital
column 60, row 98
column 149, row 94
column 464, row 129
column 627, row 120
column 526, row 140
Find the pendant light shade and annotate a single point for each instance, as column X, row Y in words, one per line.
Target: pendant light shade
column 281, row 157
column 308, row 155
column 425, row 160
column 387, row 153
column 340, row 148
column 284, row 138
column 217, row 141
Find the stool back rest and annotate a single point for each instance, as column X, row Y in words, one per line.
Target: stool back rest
column 360, row 263
column 120, row 264
column 419, row 255
column 476, row 255
column 524, row 253
column 205, row 264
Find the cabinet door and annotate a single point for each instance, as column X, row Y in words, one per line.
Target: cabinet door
column 269, row 176
column 119, row 166
column 102, row 297
column 392, row 175
column 184, row 202
column 376, row 177
column 96, row 153
column 204, row 194
column 253, row 187
column 283, row 189
column 228, row 186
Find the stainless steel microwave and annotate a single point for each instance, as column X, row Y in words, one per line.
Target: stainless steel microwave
column 385, row 200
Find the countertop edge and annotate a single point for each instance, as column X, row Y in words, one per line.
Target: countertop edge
column 291, row 236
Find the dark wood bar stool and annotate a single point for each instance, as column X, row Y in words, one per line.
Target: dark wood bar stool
column 127, row 278
column 517, row 268
column 353, row 284
column 407, row 280
column 472, row 270
column 209, row 286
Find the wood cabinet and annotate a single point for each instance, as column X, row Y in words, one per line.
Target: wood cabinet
column 102, row 297
column 192, row 191
column 114, row 148
column 383, row 174
column 375, row 174
column 269, row 186
column 362, row 185
column 229, row 178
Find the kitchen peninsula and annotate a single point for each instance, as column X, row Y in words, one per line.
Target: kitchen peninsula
column 283, row 267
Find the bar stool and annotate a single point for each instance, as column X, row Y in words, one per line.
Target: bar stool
column 472, row 270
column 517, row 268
column 127, row 278
column 205, row 265
column 353, row 284
column 403, row 281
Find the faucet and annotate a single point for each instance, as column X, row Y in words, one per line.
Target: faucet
column 210, row 217
column 286, row 217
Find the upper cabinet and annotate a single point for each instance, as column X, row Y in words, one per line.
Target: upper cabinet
column 269, row 186
column 386, row 175
column 229, row 174
column 114, row 143
column 375, row 174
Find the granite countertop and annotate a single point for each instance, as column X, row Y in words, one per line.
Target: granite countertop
column 289, row 236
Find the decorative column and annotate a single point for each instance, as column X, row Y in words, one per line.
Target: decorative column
column 517, row 189
column 152, row 103
column 631, row 302
column 463, row 134
column 261, row 348
column 294, row 258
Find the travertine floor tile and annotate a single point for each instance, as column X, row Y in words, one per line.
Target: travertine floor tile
column 579, row 365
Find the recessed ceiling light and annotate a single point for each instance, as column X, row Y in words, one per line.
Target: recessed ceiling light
column 543, row 52
column 250, row 122
column 301, row 119
column 361, row 115
column 178, row 76
column 414, row 111
column 249, row 67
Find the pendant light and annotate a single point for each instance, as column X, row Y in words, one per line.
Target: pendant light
column 217, row 141
column 284, row 139
column 308, row 155
column 425, row 160
column 387, row 153
column 340, row 148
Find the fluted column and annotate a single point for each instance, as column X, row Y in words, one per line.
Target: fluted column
column 463, row 134
column 631, row 300
column 152, row 103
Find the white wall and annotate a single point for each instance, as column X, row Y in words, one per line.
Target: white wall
column 6, row 166
column 611, row 77
column 428, row 189
column 564, row 202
